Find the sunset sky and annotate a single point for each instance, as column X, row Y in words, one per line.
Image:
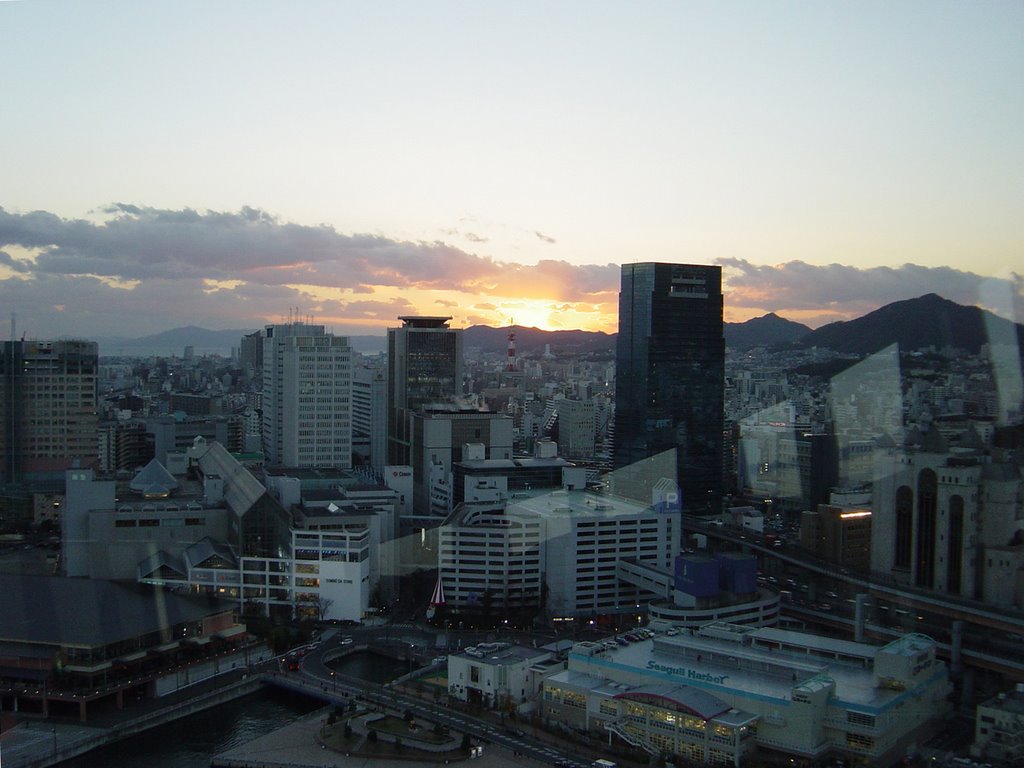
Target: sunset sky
column 219, row 164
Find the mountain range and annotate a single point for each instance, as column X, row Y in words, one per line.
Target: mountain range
column 927, row 321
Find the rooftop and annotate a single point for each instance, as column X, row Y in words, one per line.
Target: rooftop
column 577, row 504
column 770, row 674
column 497, row 654
column 53, row 610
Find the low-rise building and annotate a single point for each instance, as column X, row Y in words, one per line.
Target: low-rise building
column 713, row 695
column 999, row 729
column 497, row 674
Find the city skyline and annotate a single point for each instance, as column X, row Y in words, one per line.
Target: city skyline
column 217, row 166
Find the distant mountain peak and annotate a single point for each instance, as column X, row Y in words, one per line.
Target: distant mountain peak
column 926, row 321
column 766, row 331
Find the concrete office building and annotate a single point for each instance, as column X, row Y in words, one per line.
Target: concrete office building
column 438, row 440
column 124, row 445
column 477, row 478
column 999, row 728
column 840, row 535
column 47, row 408
column 335, row 500
column 307, row 393
column 577, row 428
column 370, row 415
column 566, row 545
column 425, row 368
column 670, row 378
column 719, row 694
column 954, row 521
column 169, row 434
column 250, row 355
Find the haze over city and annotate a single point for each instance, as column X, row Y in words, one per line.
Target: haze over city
column 184, row 163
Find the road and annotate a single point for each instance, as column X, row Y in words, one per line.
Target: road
column 316, row 678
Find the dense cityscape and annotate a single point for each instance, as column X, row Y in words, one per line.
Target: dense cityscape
column 657, row 546
column 578, row 384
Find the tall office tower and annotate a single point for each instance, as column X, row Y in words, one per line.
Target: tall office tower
column 47, row 408
column 670, row 376
column 251, row 354
column 424, row 369
column 307, row 397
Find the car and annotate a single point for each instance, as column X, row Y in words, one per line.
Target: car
column 440, row 660
column 621, row 641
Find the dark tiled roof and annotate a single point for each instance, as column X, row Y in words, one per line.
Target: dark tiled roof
column 91, row 612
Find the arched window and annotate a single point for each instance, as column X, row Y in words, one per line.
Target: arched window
column 904, row 526
column 927, row 492
column 955, row 554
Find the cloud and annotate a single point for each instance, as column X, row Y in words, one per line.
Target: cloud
column 11, row 263
column 545, row 238
column 139, row 270
column 475, row 238
column 164, row 268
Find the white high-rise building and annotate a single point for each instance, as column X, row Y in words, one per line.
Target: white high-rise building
column 307, row 397
column 370, row 415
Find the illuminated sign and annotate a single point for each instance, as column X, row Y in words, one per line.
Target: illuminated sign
column 689, row 674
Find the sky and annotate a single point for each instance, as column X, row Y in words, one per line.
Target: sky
column 229, row 164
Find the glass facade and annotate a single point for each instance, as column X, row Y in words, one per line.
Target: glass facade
column 424, row 368
column 670, row 374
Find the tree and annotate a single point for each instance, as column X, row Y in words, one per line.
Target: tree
column 280, row 639
column 323, row 605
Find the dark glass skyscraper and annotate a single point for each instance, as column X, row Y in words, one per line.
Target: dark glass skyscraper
column 670, row 375
column 424, row 369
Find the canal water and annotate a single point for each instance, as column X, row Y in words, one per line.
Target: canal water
column 192, row 741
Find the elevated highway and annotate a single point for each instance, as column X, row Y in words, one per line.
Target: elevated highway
column 968, row 630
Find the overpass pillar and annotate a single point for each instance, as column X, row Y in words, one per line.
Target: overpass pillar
column 859, row 614
column 956, row 647
column 967, row 692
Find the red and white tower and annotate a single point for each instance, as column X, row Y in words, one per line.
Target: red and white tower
column 510, row 363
